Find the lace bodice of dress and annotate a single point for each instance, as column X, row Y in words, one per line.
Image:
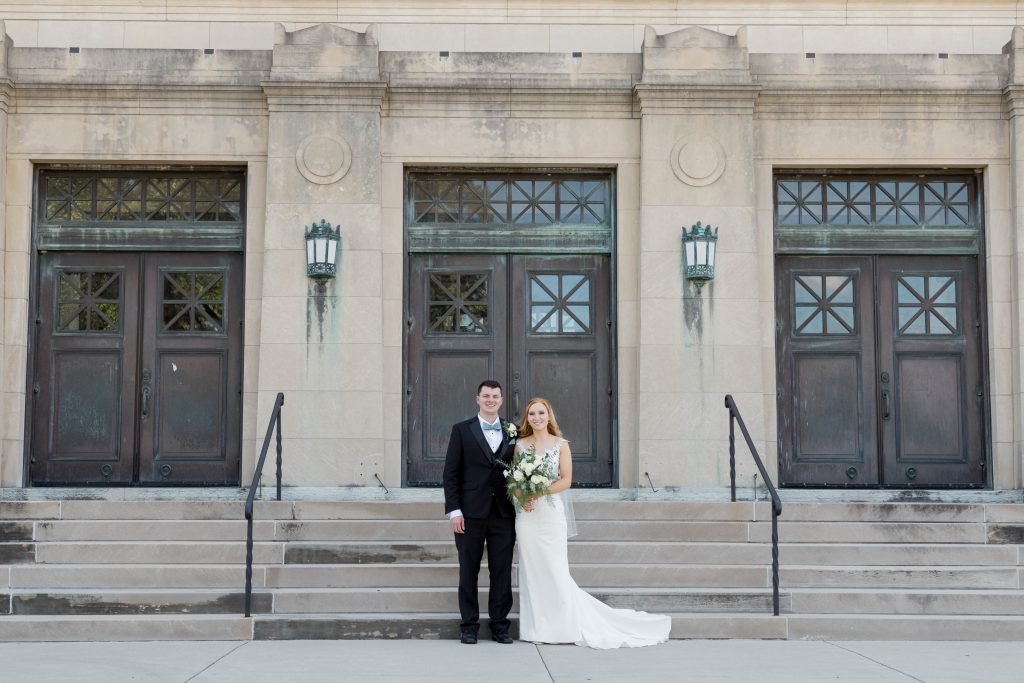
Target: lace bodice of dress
column 551, row 457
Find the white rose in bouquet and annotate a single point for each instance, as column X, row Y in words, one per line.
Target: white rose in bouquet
column 518, row 475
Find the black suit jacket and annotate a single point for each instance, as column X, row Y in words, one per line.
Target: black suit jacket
column 473, row 476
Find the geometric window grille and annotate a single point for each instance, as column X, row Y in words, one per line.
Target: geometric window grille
column 193, row 301
column 504, row 199
column 560, row 304
column 457, row 303
column 89, row 301
column 824, row 304
column 906, row 201
column 92, row 197
column 926, row 304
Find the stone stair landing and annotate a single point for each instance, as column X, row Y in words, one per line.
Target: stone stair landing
column 174, row 569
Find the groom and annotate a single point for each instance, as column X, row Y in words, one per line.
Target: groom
column 480, row 512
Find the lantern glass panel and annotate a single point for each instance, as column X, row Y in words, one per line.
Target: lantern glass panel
column 711, row 253
column 310, row 253
column 332, row 252
column 691, row 252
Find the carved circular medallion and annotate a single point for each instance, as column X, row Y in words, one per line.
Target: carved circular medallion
column 323, row 158
column 698, row 160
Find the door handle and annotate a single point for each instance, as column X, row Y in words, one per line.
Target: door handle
column 145, row 402
column 515, row 404
column 885, row 404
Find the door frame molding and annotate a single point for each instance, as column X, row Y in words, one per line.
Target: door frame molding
column 608, row 246
column 34, row 273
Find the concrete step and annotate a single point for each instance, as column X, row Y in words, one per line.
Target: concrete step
column 16, row 628
column 906, row 601
column 447, row 574
column 871, row 532
column 157, row 601
column 420, row 600
column 97, row 576
column 899, row 577
column 446, row 626
column 150, row 530
column 168, row 552
column 672, row 552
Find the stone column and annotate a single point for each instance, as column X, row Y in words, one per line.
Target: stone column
column 324, row 348
column 1007, row 397
column 13, row 305
column 696, row 101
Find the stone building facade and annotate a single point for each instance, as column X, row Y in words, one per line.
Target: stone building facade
column 511, row 189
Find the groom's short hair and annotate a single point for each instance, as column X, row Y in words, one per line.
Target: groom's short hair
column 489, row 383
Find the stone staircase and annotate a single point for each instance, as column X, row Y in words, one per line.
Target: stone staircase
column 154, row 570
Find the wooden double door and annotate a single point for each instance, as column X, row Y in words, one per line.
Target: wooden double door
column 137, row 373
column 540, row 325
column 880, row 371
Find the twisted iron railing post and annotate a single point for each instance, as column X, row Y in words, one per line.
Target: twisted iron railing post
column 732, row 452
column 735, row 417
column 275, row 421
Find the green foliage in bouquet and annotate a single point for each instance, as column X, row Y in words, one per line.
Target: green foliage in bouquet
column 527, row 476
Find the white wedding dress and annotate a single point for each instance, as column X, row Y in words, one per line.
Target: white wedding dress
column 552, row 608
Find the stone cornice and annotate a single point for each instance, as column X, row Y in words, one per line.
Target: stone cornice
column 877, row 103
column 523, row 102
column 105, row 98
column 320, row 96
column 678, row 98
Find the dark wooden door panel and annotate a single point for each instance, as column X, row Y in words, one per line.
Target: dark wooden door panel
column 83, row 410
column 190, row 417
column 139, row 377
column 561, row 350
column 929, row 356
column 825, row 344
column 457, row 336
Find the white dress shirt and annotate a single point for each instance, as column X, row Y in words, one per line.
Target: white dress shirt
column 493, row 440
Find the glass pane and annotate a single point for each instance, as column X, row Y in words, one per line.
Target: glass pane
column 803, row 288
column 942, row 290
column 442, row 318
column 808, row 320
column 911, row 320
column 910, row 290
column 538, row 293
column 582, row 322
column 543, row 319
column 839, row 289
column 943, row 320
column 843, row 314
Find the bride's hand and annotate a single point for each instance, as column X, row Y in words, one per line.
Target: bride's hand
column 528, row 505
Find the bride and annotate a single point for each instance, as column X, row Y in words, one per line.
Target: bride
column 552, row 608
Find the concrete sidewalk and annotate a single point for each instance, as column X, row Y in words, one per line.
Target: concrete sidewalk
column 451, row 662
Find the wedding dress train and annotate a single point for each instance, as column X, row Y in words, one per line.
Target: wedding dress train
column 552, row 608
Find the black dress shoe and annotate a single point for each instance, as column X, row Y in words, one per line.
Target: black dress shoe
column 503, row 638
column 468, row 639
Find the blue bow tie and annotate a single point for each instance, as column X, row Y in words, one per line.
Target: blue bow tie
column 496, row 426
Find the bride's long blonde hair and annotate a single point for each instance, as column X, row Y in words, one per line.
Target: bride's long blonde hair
column 526, row 429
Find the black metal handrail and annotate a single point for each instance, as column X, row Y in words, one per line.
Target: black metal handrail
column 275, row 420
column 734, row 417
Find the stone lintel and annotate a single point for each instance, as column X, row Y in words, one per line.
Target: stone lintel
column 325, row 52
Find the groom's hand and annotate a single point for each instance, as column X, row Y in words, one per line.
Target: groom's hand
column 458, row 524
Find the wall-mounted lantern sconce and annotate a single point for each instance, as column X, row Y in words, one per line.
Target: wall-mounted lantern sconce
column 322, row 251
column 699, row 253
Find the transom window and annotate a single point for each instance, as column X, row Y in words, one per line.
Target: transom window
column 84, row 197
column 901, row 201
column 535, row 200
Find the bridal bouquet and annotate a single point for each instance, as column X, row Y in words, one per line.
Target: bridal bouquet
column 527, row 476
